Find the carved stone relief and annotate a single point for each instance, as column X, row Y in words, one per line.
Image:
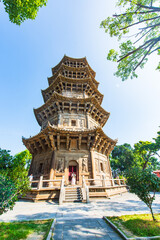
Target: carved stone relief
column 65, row 122
column 60, row 165
column 84, row 165
column 82, row 123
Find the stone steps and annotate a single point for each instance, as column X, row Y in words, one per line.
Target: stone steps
column 73, row 194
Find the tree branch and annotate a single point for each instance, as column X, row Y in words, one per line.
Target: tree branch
column 124, row 14
column 142, row 35
column 151, row 26
column 149, row 19
column 135, row 50
column 151, row 7
column 154, row 50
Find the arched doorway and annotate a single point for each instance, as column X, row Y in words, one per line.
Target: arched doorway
column 73, row 168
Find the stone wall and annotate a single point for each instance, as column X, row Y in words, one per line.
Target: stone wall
column 80, row 159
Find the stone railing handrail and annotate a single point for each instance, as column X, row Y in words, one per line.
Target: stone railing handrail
column 86, row 189
column 62, row 192
column 41, row 181
column 36, row 181
column 113, row 181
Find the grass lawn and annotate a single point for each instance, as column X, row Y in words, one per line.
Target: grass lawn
column 20, row 230
column 140, row 225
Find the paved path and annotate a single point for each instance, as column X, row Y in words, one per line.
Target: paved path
column 85, row 217
column 92, row 228
column 118, row 205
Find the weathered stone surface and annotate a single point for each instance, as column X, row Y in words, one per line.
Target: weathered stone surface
column 71, row 119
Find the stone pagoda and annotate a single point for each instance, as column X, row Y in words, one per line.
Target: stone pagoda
column 71, row 139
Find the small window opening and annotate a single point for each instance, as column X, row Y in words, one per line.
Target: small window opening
column 73, row 123
column 101, row 166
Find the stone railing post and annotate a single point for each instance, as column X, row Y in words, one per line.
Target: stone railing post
column 86, row 189
column 62, row 192
column 87, row 194
column 112, row 182
column 123, row 181
column 118, row 181
column 40, row 183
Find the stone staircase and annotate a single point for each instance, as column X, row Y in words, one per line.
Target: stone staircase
column 73, row 194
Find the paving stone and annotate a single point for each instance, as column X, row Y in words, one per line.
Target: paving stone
column 82, row 219
column 114, row 236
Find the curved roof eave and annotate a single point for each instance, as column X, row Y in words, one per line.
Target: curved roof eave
column 56, row 95
column 74, row 80
column 51, row 129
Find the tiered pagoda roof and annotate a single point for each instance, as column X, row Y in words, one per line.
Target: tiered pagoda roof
column 58, row 102
column 72, row 89
column 63, row 83
column 53, row 137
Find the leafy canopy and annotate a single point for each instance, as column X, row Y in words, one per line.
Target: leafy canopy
column 142, row 183
column 142, row 19
column 20, row 10
column 143, row 155
column 13, row 177
column 122, row 158
column 146, row 152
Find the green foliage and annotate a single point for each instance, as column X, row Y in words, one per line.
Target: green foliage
column 13, row 177
column 145, row 151
column 143, row 155
column 122, row 158
column 143, row 17
column 20, row 230
column 20, row 10
column 141, row 225
column 5, row 159
column 8, row 194
column 142, row 182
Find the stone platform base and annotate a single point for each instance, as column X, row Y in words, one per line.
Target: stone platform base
column 103, row 192
column 46, row 194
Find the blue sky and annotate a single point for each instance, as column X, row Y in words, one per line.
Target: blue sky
column 70, row 27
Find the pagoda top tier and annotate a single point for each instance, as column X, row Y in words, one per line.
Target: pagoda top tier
column 72, row 98
column 73, row 62
column 73, row 73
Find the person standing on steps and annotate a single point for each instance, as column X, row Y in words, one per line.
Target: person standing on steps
column 73, row 181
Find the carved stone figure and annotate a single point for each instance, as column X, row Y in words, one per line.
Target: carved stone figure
column 60, row 165
column 84, row 165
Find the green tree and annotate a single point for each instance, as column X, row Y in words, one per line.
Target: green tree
column 142, row 19
column 5, row 159
column 142, row 183
column 13, row 177
column 20, row 10
column 8, row 194
column 122, row 157
column 154, row 164
column 146, row 152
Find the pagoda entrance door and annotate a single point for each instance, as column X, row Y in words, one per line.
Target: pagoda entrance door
column 73, row 168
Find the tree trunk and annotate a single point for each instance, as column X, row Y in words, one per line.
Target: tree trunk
column 152, row 213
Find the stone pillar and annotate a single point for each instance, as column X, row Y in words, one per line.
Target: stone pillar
column 93, row 164
column 87, row 120
column 59, row 119
column 109, row 167
column 66, row 167
column 52, row 166
column 80, row 171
